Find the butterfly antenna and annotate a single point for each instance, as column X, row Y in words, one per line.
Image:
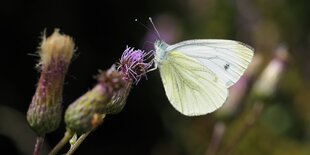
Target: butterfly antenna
column 136, row 20
column 158, row 35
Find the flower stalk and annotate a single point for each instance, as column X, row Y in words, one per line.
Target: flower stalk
column 38, row 145
column 61, row 143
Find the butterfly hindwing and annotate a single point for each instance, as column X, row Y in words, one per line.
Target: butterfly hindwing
column 191, row 87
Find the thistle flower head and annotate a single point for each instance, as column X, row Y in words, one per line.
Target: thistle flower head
column 44, row 112
column 135, row 63
column 110, row 94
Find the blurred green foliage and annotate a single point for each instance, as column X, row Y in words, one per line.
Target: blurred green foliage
column 282, row 127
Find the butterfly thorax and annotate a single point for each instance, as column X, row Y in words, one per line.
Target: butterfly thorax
column 160, row 51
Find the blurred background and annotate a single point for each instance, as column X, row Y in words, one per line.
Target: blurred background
column 267, row 111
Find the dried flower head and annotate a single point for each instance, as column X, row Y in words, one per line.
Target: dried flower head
column 135, row 63
column 44, row 113
column 55, row 47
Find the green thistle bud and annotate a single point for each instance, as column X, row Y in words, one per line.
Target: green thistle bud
column 88, row 111
column 44, row 113
column 118, row 100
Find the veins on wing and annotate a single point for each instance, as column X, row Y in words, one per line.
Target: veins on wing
column 193, row 71
column 196, row 87
column 181, row 85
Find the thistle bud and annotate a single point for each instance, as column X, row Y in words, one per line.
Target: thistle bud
column 44, row 113
column 118, row 100
column 88, row 111
column 267, row 82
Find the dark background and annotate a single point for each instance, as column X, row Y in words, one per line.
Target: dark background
column 101, row 31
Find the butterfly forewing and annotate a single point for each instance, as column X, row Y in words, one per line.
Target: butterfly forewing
column 227, row 59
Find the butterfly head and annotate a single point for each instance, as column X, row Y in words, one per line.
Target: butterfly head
column 160, row 50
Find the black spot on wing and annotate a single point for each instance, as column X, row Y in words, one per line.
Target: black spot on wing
column 226, row 67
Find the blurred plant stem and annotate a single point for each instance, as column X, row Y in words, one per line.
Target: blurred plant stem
column 78, row 143
column 217, row 135
column 220, row 128
column 38, row 145
column 249, row 121
column 61, row 143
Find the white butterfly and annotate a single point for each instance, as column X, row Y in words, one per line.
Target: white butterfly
column 197, row 73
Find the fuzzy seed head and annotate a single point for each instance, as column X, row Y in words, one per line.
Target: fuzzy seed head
column 57, row 45
column 44, row 112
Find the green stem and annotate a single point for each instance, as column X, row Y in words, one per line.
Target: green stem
column 83, row 137
column 61, row 143
column 38, row 145
column 248, row 123
column 78, row 143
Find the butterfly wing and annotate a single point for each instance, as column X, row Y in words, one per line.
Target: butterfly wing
column 191, row 88
column 227, row 59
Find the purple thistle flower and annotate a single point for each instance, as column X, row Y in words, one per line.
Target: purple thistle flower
column 135, row 63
